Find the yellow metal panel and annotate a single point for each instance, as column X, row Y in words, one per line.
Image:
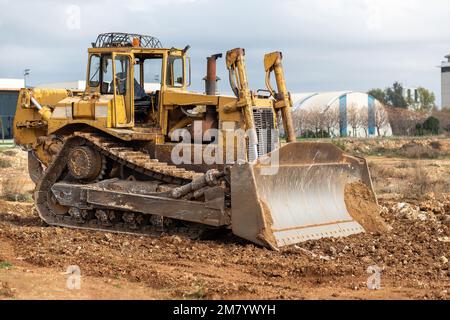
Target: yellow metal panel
column 84, row 109
column 224, row 100
column 235, row 116
column 49, row 96
column 23, row 135
column 184, row 98
column 120, row 116
column 56, row 125
column 262, row 103
column 28, row 123
column 124, row 105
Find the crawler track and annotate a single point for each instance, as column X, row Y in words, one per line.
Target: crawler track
column 119, row 222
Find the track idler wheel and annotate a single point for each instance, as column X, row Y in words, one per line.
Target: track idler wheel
column 85, row 163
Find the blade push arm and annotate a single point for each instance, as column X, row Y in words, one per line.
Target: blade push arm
column 272, row 63
column 235, row 60
column 238, row 81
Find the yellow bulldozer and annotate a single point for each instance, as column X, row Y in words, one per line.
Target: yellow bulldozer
column 138, row 153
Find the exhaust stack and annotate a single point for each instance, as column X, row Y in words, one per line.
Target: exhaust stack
column 211, row 74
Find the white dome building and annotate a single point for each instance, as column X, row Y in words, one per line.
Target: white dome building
column 341, row 113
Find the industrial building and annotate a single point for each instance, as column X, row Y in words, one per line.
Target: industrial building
column 411, row 95
column 79, row 85
column 342, row 113
column 445, row 82
column 9, row 92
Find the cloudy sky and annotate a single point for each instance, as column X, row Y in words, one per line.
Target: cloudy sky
column 327, row 44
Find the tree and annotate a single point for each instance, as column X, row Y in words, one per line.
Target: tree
column 394, row 96
column 353, row 118
column 331, row 119
column 444, row 119
column 419, row 129
column 403, row 121
column 431, row 125
column 300, row 117
column 314, row 121
column 427, row 99
column 447, row 128
column 378, row 94
column 308, row 134
column 381, row 118
column 363, row 120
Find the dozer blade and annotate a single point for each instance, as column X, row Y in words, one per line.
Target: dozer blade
column 300, row 199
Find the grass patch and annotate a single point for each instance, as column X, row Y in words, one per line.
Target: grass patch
column 5, row 163
column 5, row 265
column 409, row 151
column 422, row 183
column 405, row 165
column 12, row 189
column 340, row 144
column 10, row 153
column 5, row 290
column 415, row 151
column 18, row 197
column 198, row 294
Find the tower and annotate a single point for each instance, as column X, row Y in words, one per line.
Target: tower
column 445, row 82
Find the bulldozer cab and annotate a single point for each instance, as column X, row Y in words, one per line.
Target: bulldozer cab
column 133, row 71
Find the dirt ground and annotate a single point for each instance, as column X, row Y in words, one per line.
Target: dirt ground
column 411, row 258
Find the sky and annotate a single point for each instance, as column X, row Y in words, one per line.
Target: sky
column 327, row 45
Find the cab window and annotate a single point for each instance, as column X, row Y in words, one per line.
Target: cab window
column 94, row 71
column 122, row 66
column 107, row 75
column 175, row 71
column 152, row 69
